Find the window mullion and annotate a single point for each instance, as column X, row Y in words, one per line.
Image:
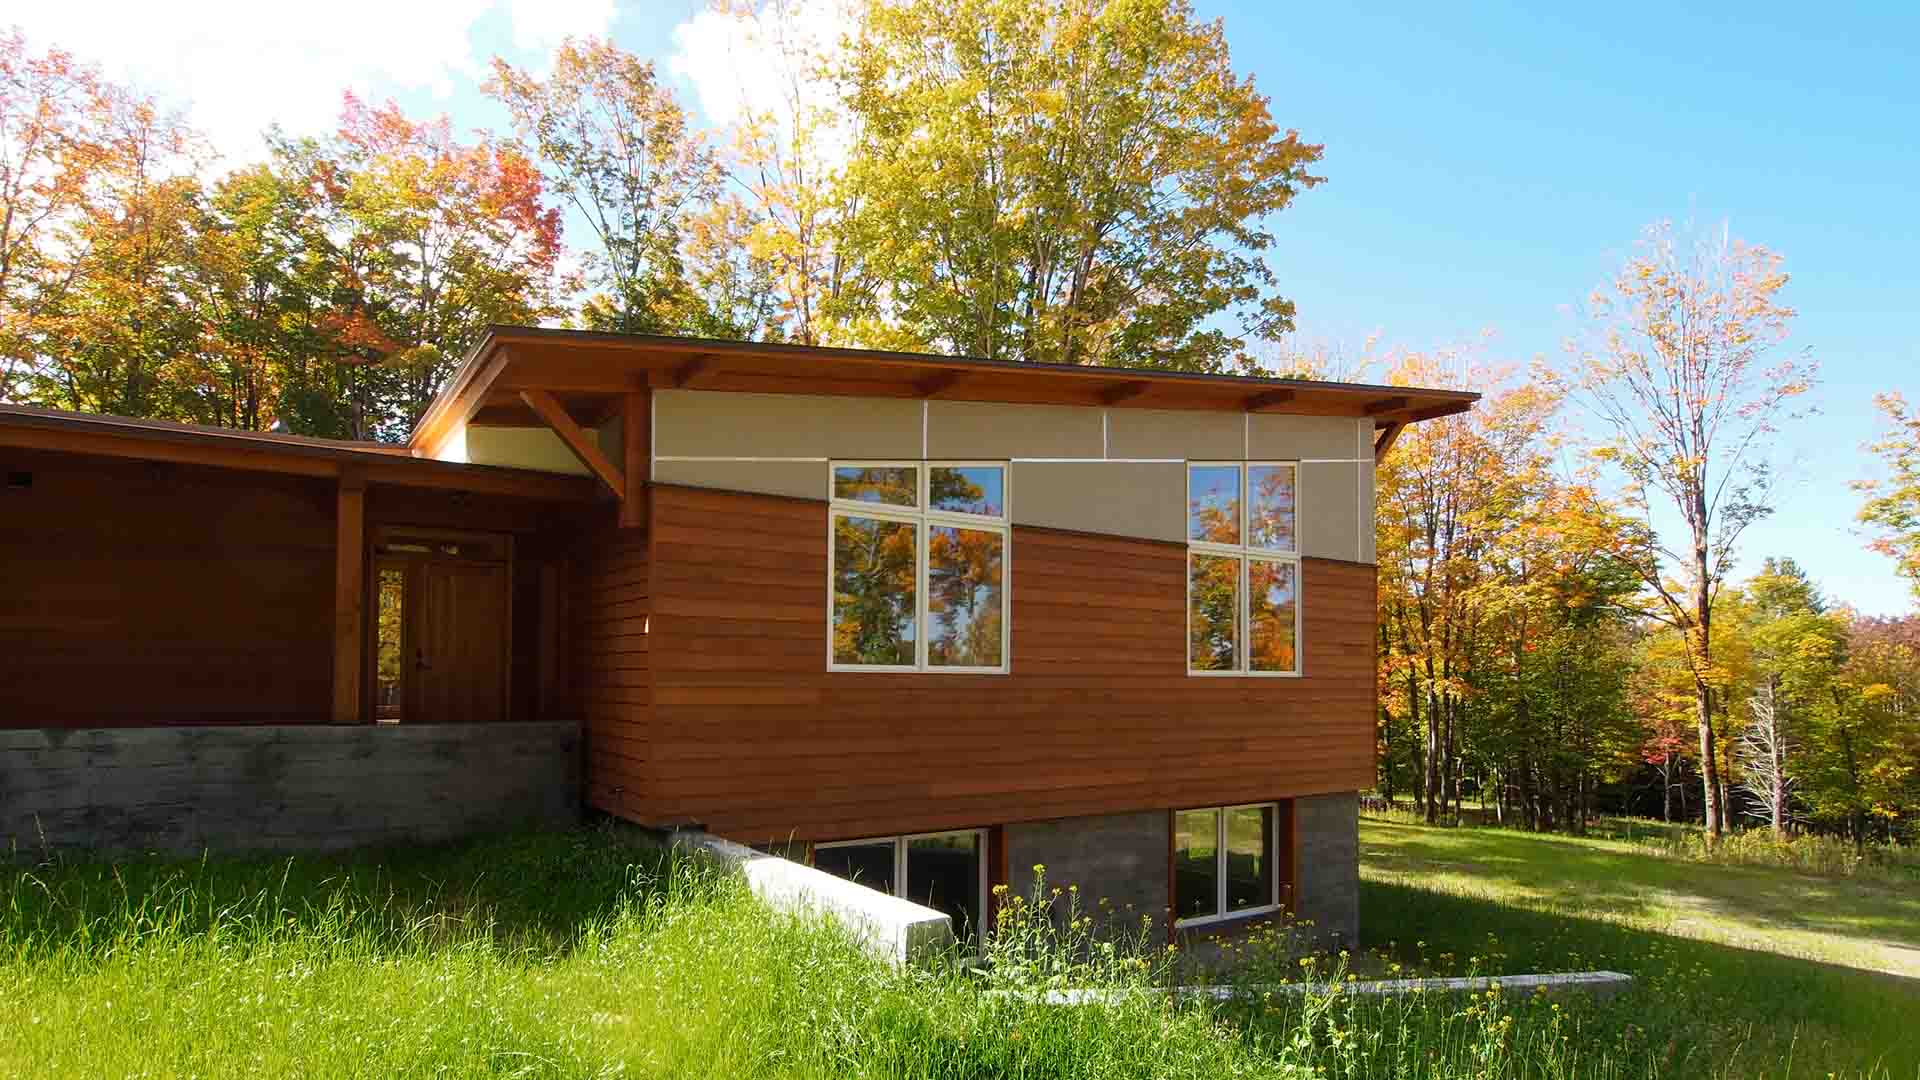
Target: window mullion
column 1220, row 870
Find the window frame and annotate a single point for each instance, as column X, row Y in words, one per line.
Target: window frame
column 1220, row 912
column 900, row 842
column 1245, row 554
column 924, row 520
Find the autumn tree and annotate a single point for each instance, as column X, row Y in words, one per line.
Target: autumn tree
column 1682, row 368
column 1086, row 182
column 432, row 240
column 615, row 144
column 1893, row 504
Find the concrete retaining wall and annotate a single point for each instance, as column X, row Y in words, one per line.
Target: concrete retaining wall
column 285, row 788
column 1327, row 828
column 896, row 930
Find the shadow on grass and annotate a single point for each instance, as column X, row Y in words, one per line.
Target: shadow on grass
column 1726, row 1003
column 537, row 891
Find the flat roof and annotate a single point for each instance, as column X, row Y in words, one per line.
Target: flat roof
column 195, row 444
column 588, row 371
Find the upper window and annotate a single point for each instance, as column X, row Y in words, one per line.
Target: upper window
column 1243, row 569
column 917, row 565
column 1225, row 862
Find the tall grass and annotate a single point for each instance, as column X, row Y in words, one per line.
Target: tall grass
column 591, row 955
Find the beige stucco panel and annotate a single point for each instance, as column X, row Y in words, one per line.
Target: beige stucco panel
column 1330, row 509
column 982, row 430
column 1117, row 498
column 1171, row 433
column 702, row 423
column 799, row 479
column 1292, row 438
column 524, row 448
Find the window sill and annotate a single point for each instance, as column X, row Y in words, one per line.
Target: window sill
column 1227, row 921
column 877, row 669
column 1245, row 675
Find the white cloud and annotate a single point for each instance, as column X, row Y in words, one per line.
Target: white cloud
column 748, row 65
column 238, row 67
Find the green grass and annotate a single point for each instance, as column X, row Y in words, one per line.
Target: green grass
column 1743, row 969
column 593, row 954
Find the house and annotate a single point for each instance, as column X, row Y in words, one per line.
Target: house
column 932, row 621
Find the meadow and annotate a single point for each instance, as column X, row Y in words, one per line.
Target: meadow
column 593, row 953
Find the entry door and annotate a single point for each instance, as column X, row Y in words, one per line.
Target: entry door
column 442, row 629
column 460, row 643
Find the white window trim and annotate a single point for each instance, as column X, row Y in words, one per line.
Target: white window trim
column 924, row 519
column 1244, row 553
column 900, row 843
column 1221, row 914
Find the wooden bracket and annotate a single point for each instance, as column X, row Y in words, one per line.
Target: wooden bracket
column 1385, row 440
column 556, row 417
column 1119, row 392
column 1385, row 405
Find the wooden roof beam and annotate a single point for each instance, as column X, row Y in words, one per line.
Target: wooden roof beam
column 685, row 373
column 936, row 384
column 1386, row 405
column 1126, row 391
column 550, row 410
column 1267, row 400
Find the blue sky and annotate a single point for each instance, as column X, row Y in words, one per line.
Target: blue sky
column 1486, row 168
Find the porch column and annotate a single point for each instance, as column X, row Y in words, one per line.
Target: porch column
column 349, row 596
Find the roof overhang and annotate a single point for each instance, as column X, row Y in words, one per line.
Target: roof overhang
column 191, row 444
column 589, row 373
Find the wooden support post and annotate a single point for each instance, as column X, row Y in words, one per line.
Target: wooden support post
column 636, row 444
column 349, row 596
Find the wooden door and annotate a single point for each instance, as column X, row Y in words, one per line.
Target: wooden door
column 460, row 643
column 440, row 647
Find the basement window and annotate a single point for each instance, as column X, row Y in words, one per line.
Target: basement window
column 917, row 555
column 1225, row 863
column 1243, row 569
column 944, row 871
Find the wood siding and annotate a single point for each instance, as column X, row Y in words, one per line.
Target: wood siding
column 753, row 738
column 607, row 639
column 136, row 593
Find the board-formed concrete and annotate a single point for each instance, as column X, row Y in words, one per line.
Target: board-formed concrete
column 1327, row 830
column 1118, row 858
column 308, row 787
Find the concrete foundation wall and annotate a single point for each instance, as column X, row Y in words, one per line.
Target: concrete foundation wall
column 1121, row 858
column 1327, row 830
column 314, row 787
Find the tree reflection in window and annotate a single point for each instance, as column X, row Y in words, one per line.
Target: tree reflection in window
column 1271, row 615
column 874, row 578
column 1215, row 620
column 1243, row 570
column 964, row 602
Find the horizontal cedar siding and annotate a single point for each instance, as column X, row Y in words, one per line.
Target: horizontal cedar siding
column 607, row 640
column 756, row 740
column 142, row 593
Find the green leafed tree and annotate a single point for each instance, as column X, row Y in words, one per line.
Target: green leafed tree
column 1893, row 504
column 1085, row 182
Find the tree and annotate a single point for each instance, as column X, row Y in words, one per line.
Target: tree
column 1083, row 183
column 1677, row 368
column 1893, row 505
column 54, row 112
column 431, row 240
column 616, row 146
